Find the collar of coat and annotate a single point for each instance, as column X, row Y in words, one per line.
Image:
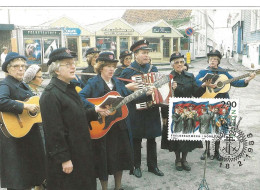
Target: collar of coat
column 60, row 84
column 11, row 80
column 182, row 73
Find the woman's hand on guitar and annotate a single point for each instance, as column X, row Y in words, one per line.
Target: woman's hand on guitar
column 103, row 111
column 208, row 83
column 174, row 85
column 251, row 76
column 32, row 107
column 67, row 167
column 132, row 86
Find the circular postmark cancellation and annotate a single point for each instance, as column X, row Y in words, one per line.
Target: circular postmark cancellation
column 234, row 146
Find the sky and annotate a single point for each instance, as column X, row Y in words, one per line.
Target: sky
column 28, row 16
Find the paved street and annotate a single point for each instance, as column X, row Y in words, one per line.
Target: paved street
column 244, row 177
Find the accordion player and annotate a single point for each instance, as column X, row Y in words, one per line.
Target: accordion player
column 160, row 96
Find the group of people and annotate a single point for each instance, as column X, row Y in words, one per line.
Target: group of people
column 64, row 153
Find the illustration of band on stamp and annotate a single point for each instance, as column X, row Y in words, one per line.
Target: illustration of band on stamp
column 200, row 118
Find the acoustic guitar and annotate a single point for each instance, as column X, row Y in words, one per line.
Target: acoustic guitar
column 223, row 85
column 18, row 125
column 103, row 125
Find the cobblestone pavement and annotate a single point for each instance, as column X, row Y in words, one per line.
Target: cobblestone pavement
column 243, row 177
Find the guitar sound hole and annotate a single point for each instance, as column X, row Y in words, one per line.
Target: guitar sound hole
column 219, row 84
column 32, row 114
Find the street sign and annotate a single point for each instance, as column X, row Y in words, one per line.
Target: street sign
column 189, row 31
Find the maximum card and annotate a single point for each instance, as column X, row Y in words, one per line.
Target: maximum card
column 200, row 118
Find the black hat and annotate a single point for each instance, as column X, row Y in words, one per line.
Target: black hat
column 124, row 54
column 92, row 50
column 59, row 54
column 176, row 56
column 141, row 44
column 106, row 56
column 214, row 53
column 9, row 57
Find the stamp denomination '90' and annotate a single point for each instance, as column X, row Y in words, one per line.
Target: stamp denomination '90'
column 201, row 119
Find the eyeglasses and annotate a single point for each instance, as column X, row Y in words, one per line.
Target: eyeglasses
column 68, row 65
column 17, row 66
column 128, row 58
column 177, row 62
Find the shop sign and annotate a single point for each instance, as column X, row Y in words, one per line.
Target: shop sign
column 71, row 31
column 117, row 31
column 41, row 33
column 157, row 29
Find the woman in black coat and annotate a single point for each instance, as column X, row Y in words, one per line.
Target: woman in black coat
column 22, row 163
column 184, row 86
column 125, row 59
column 92, row 55
column 70, row 163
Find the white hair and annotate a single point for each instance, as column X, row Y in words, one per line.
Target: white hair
column 54, row 66
column 172, row 62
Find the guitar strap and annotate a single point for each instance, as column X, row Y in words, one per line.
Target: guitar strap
column 137, row 70
column 219, row 70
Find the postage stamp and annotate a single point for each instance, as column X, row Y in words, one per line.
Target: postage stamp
column 200, row 118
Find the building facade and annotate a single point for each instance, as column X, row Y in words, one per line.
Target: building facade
column 246, row 37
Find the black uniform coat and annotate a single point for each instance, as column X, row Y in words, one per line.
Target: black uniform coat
column 186, row 87
column 89, row 69
column 67, row 136
column 119, row 70
column 144, row 123
column 22, row 159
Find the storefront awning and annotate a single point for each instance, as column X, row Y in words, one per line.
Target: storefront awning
column 6, row 26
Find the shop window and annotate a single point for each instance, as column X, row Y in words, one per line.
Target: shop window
column 106, row 44
column 175, row 44
column 185, row 44
column 154, row 43
column 72, row 45
column 134, row 39
column 123, row 44
column 85, row 45
column 33, row 50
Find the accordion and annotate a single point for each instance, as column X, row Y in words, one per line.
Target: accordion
column 160, row 96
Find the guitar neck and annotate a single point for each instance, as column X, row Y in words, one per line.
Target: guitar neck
column 131, row 97
column 236, row 78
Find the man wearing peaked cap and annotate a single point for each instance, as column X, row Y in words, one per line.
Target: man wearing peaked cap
column 91, row 55
column 144, row 123
column 140, row 45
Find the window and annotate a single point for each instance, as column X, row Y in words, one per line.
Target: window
column 175, row 44
column 73, row 45
column 258, row 20
column 154, row 43
column 123, row 44
column 85, row 45
column 106, row 44
column 253, row 20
